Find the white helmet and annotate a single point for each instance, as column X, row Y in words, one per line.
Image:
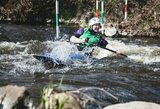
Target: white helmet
column 94, row 20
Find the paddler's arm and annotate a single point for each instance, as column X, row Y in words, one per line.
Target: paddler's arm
column 75, row 39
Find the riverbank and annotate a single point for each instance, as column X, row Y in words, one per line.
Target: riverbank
column 143, row 16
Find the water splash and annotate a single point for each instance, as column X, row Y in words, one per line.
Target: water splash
column 144, row 54
column 69, row 54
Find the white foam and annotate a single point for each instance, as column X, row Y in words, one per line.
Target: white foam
column 144, row 54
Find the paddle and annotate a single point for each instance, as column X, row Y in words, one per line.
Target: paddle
column 114, row 52
column 109, row 49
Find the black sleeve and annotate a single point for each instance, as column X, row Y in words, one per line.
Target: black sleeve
column 102, row 42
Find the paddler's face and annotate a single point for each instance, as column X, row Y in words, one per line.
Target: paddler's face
column 96, row 27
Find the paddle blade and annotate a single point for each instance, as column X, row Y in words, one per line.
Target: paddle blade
column 123, row 55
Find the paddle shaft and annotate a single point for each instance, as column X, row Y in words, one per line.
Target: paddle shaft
column 115, row 52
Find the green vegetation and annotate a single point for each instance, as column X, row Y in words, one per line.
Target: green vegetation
column 49, row 101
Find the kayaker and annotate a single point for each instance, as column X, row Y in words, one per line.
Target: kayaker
column 89, row 37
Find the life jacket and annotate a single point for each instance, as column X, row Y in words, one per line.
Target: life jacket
column 93, row 39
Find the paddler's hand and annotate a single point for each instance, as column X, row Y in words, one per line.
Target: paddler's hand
column 83, row 40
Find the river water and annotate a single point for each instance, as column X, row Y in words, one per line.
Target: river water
column 134, row 78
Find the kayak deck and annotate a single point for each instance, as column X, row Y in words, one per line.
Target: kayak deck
column 48, row 61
